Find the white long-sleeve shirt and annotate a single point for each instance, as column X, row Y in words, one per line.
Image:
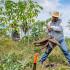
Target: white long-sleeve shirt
column 56, row 30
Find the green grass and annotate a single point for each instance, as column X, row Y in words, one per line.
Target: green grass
column 17, row 56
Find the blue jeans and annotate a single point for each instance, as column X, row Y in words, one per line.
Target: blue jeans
column 62, row 46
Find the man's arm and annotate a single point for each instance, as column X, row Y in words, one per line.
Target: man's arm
column 57, row 28
column 49, row 27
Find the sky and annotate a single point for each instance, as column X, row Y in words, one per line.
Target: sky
column 63, row 6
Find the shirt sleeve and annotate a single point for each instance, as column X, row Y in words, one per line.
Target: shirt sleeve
column 49, row 24
column 57, row 28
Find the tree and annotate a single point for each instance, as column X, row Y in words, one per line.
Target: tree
column 21, row 14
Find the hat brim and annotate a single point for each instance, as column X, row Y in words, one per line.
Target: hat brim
column 55, row 15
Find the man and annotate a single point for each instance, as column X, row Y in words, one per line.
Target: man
column 55, row 31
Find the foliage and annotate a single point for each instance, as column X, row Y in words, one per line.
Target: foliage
column 10, row 62
column 19, row 14
column 38, row 29
column 14, row 57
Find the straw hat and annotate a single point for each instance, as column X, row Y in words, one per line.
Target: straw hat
column 56, row 14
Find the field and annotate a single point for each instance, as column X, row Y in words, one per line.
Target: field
column 19, row 56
